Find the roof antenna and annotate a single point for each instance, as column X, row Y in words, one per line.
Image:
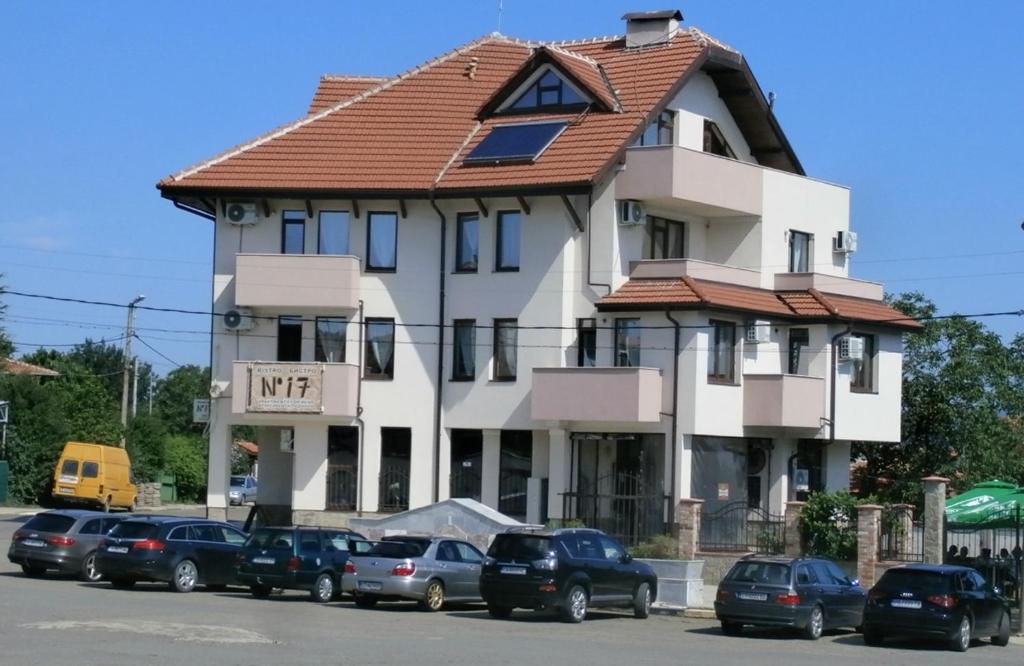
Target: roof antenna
column 500, row 2
column 771, row 100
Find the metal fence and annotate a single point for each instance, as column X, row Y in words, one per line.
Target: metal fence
column 736, row 527
column 464, row 482
column 512, row 493
column 620, row 504
column 341, row 487
column 901, row 539
column 394, row 488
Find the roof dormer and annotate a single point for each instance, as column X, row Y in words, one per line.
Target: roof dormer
column 554, row 80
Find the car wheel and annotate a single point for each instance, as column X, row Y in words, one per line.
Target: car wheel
column 962, row 639
column 123, row 583
column 88, row 572
column 32, row 571
column 260, row 591
column 815, row 624
column 1003, row 637
column 185, row 576
column 499, row 612
column 642, row 601
column 323, row 588
column 575, row 609
column 873, row 637
column 731, row 628
column 433, row 596
column 363, row 601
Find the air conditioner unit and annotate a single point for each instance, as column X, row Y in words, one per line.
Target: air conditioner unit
column 631, row 213
column 217, row 388
column 241, row 213
column 851, row 348
column 239, row 319
column 287, row 440
column 758, row 331
column 845, row 242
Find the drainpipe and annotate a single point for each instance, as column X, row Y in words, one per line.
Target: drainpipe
column 675, row 398
column 359, row 416
column 440, row 347
column 832, row 384
column 590, row 242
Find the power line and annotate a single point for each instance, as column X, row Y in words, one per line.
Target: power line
column 158, row 352
column 92, row 255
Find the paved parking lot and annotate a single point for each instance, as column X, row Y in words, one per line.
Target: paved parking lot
column 64, row 621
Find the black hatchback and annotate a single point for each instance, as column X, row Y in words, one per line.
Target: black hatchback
column 568, row 570
column 182, row 552
column 807, row 593
column 952, row 603
column 298, row 558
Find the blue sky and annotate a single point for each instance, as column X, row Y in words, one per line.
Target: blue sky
column 917, row 106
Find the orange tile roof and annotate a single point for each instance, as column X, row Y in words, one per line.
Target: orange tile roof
column 409, row 132
column 249, row 447
column 9, row 366
column 336, row 89
column 691, row 293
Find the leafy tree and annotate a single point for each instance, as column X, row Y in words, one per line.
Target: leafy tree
column 828, row 525
column 35, row 436
column 147, row 446
column 186, row 459
column 174, row 396
column 962, row 408
column 6, row 346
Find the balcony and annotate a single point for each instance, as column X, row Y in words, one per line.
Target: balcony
column 692, row 181
column 320, row 390
column 621, row 395
column 297, row 281
column 783, row 401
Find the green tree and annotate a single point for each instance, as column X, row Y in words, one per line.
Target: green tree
column 35, row 436
column 962, row 408
column 146, row 442
column 186, row 459
column 175, row 394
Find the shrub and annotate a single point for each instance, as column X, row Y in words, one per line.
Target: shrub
column 186, row 460
column 828, row 525
column 559, row 523
column 661, row 547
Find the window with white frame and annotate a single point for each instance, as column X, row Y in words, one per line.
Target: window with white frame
column 862, row 379
column 801, row 246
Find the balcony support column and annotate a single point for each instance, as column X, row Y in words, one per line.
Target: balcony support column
column 309, row 470
column 219, row 463
column 559, row 450
column 490, row 474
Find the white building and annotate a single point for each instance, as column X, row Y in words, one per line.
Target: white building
column 575, row 279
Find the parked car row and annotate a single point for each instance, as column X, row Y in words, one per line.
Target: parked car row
column 951, row 603
column 568, row 571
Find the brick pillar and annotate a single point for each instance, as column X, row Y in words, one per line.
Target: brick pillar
column 794, row 542
column 934, row 518
column 688, row 526
column 869, row 519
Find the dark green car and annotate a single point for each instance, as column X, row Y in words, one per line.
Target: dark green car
column 298, row 558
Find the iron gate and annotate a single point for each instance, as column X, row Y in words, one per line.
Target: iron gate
column 341, row 487
column 393, row 488
column 738, row 527
column 621, row 504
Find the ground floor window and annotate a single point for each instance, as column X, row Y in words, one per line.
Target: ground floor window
column 342, row 467
column 516, row 466
column 395, row 456
column 467, row 448
column 808, row 476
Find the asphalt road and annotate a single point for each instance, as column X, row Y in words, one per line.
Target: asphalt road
column 62, row 621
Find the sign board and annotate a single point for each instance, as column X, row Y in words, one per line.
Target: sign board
column 201, row 410
column 723, row 491
column 802, row 480
column 291, row 388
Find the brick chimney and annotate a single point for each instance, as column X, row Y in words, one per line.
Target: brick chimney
column 646, row 28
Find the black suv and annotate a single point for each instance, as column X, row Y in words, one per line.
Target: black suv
column 298, row 558
column 569, row 570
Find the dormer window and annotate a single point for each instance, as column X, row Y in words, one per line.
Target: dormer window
column 661, row 131
column 548, row 91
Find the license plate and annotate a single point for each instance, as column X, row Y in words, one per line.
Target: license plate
column 752, row 596
column 515, row 571
column 370, row 586
column 34, row 543
column 117, row 549
column 263, row 560
column 904, row 603
column 68, row 491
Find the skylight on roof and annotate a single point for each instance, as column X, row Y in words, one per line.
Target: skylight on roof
column 522, row 142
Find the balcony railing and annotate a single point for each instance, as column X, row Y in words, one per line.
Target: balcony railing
column 297, row 281
column 302, row 390
column 783, row 401
column 621, row 395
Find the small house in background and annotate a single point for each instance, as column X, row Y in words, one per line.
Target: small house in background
column 247, row 453
column 10, row 366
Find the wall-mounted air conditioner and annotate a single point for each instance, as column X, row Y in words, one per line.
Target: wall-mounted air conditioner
column 845, row 242
column 851, row 348
column 241, row 213
column 287, row 440
column 239, row 319
column 631, row 213
column 758, row 331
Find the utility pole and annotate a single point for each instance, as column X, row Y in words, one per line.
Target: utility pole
column 150, row 394
column 129, row 333
column 135, row 386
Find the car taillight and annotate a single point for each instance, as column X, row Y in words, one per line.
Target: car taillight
column 788, row 599
column 60, row 541
column 149, row 544
column 723, row 595
column 548, row 588
column 293, row 563
column 404, row 569
column 943, row 600
column 350, row 567
column 18, row 537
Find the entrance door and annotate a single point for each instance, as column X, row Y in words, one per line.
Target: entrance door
column 342, row 467
column 466, row 461
column 516, row 466
column 395, row 455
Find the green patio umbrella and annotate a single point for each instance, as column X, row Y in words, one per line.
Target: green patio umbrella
column 988, row 504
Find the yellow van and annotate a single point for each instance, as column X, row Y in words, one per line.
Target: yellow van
column 94, row 474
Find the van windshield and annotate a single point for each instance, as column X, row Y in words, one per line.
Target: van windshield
column 69, row 468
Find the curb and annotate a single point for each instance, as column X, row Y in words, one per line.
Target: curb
column 699, row 613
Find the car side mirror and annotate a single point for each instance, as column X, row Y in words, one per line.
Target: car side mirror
column 855, row 582
column 626, row 559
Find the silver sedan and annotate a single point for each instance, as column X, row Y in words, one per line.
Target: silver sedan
column 429, row 570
